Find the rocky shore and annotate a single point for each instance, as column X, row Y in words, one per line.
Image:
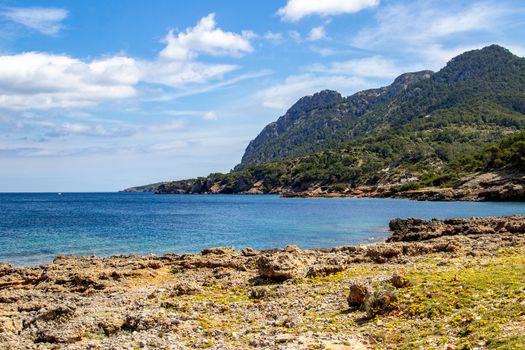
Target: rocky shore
column 449, row 284
column 492, row 186
column 476, row 187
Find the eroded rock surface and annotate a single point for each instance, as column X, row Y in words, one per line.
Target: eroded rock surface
column 419, row 230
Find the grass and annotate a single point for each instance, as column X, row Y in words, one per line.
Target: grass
column 466, row 305
column 456, row 301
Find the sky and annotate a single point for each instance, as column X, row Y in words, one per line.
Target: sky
column 104, row 95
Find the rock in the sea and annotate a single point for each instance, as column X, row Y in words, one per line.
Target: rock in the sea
column 406, row 230
column 292, row 249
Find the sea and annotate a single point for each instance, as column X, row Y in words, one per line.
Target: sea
column 36, row 227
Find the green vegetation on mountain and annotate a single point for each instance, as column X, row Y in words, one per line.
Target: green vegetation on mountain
column 480, row 89
column 509, row 154
column 425, row 129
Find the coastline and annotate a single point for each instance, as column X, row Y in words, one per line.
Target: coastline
column 280, row 298
column 491, row 186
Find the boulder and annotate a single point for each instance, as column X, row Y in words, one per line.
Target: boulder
column 399, row 281
column 357, row 294
column 186, row 288
column 248, row 251
column 218, row 250
column 281, row 266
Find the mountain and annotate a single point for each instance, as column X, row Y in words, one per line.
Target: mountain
column 320, row 121
column 425, row 129
column 490, row 79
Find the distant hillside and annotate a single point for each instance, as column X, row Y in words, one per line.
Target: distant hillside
column 425, row 128
column 145, row 188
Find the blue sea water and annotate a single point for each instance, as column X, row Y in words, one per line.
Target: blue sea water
column 35, row 227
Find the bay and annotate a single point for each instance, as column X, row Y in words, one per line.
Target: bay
column 36, row 227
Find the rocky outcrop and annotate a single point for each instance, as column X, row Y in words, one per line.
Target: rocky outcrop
column 492, row 186
column 323, row 112
column 407, row 230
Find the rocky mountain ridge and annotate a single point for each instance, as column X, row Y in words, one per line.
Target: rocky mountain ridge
column 310, row 113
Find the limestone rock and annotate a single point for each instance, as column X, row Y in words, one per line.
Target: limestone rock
column 357, row 294
column 281, row 266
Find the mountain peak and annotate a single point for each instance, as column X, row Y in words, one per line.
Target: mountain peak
column 476, row 63
column 408, row 79
column 317, row 100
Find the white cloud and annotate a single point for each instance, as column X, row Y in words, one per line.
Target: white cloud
column 34, row 80
column 170, row 146
column 86, row 130
column 210, row 87
column 421, row 23
column 177, row 65
column 317, row 33
column 283, row 95
column 297, row 9
column 324, row 51
column 180, row 73
column 45, row 20
column 42, row 81
column 370, row 67
column 206, row 38
column 210, row 115
column 273, row 37
column 171, row 125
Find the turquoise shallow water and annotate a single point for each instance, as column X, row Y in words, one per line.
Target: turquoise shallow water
column 35, row 227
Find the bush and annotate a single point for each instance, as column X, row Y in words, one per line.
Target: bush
column 380, row 300
column 408, row 187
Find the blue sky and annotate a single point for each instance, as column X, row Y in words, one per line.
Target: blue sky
column 103, row 95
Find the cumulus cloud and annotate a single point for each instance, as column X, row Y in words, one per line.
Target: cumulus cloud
column 178, row 66
column 35, row 80
column 317, row 33
column 45, row 20
column 42, row 81
column 297, row 9
column 206, row 38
